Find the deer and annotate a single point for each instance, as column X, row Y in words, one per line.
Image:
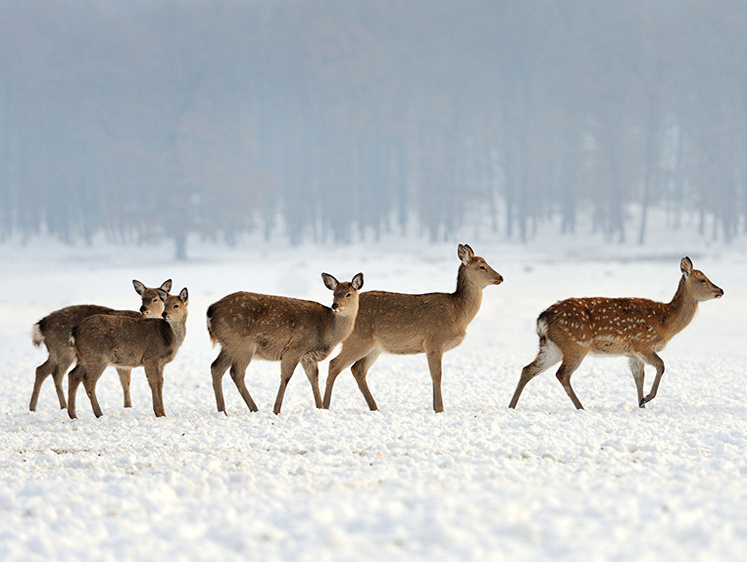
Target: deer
column 636, row 328
column 406, row 324
column 53, row 331
column 127, row 342
column 284, row 329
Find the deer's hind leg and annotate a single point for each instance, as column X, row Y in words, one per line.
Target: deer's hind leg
column 62, row 364
column 92, row 376
column 549, row 354
column 73, row 382
column 217, row 370
column 42, row 372
column 238, row 371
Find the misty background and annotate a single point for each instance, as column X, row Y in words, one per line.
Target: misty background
column 342, row 120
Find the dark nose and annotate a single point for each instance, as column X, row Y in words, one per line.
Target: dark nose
column 334, row 306
column 142, row 308
column 720, row 293
column 163, row 315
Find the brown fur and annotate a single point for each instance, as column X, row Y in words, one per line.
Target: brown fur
column 632, row 327
column 53, row 331
column 399, row 323
column 127, row 342
column 292, row 331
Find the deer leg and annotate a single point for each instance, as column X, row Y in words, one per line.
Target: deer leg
column 637, row 368
column 73, row 381
column 360, row 370
column 154, row 374
column 287, row 366
column 57, row 374
column 434, row 364
column 567, row 367
column 42, row 372
column 238, row 370
column 91, row 377
column 311, row 369
column 217, row 370
column 349, row 354
column 124, row 380
column 549, row 354
column 654, row 360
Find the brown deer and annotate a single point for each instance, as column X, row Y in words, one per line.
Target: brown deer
column 633, row 327
column 54, row 332
column 402, row 324
column 127, row 342
column 292, row 331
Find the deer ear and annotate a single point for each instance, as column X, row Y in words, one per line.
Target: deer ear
column 139, row 287
column 465, row 253
column 686, row 266
column 166, row 285
column 183, row 295
column 162, row 294
column 329, row 281
column 357, row 282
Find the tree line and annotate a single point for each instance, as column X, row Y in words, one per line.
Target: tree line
column 339, row 119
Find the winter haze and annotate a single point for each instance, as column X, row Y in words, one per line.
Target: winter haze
column 345, row 120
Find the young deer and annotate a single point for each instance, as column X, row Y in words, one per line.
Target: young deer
column 127, row 342
column 406, row 324
column 54, row 332
column 292, row 331
column 632, row 327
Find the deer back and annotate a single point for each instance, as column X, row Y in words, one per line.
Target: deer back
column 405, row 324
column 54, row 329
column 124, row 341
column 618, row 326
column 266, row 325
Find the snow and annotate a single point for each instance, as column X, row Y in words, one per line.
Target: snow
column 477, row 482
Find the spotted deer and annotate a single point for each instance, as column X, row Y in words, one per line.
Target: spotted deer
column 127, row 342
column 292, row 331
column 405, row 324
column 54, row 332
column 636, row 328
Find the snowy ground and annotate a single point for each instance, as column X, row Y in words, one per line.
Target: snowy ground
column 478, row 482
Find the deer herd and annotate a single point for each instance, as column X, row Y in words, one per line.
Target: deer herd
column 366, row 324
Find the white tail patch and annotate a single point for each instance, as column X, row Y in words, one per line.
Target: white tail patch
column 36, row 335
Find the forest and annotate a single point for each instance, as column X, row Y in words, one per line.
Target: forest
column 341, row 120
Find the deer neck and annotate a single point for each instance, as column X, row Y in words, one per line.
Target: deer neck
column 467, row 297
column 339, row 326
column 682, row 308
column 180, row 331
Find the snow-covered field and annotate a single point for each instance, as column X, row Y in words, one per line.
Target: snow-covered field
column 477, row 482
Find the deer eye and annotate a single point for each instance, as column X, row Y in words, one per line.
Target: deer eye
column 703, row 281
column 483, row 268
column 349, row 295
